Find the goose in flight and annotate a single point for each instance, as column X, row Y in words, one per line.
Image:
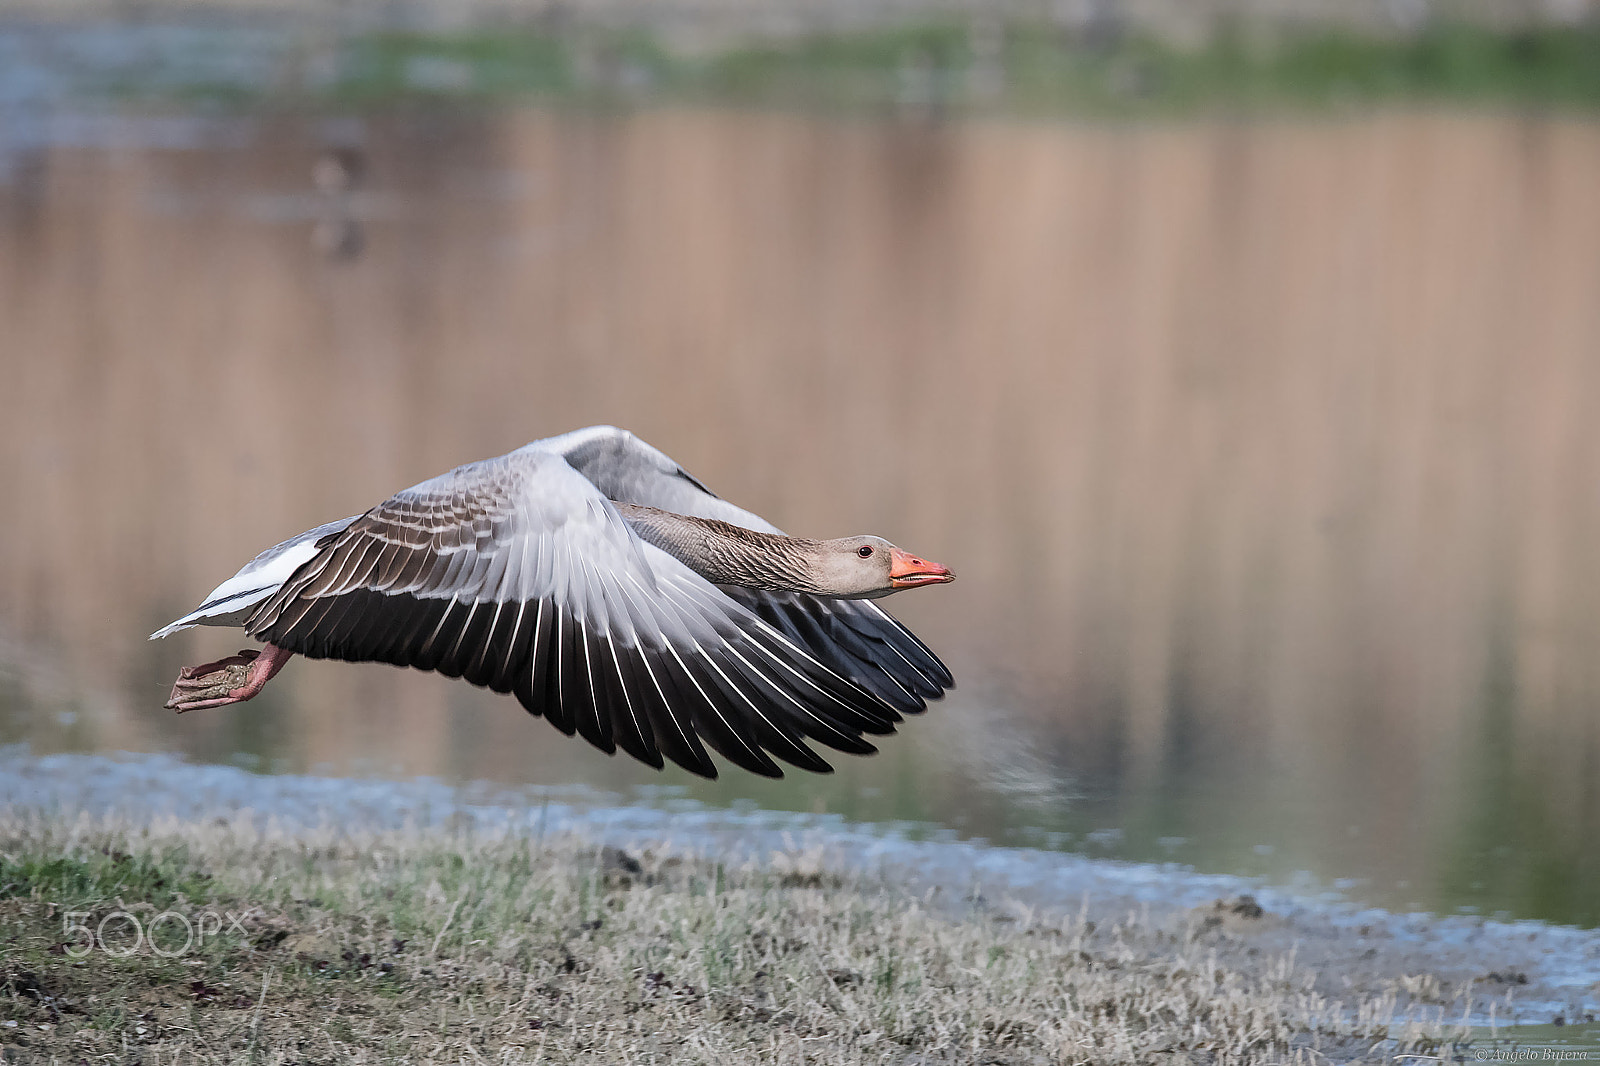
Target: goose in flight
column 612, row 592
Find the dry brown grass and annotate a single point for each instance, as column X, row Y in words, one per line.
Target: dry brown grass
column 449, row 946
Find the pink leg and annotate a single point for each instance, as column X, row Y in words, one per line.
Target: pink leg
column 232, row 680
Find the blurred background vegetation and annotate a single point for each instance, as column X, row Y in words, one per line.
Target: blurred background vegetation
column 1108, row 57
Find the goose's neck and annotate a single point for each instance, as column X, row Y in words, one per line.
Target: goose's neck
column 726, row 554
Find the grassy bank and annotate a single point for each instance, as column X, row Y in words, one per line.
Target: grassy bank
column 1029, row 68
column 216, row 943
column 323, row 946
column 965, row 65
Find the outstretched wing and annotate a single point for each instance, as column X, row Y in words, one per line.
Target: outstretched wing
column 856, row 638
column 516, row 573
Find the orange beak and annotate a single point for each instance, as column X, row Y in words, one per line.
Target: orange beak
column 906, row 571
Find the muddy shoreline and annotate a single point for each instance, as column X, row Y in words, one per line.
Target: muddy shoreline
column 1482, row 972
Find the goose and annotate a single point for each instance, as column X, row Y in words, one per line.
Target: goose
column 611, row 592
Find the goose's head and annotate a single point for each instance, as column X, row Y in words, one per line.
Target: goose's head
column 867, row 567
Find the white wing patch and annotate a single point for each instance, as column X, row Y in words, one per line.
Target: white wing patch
column 231, row 601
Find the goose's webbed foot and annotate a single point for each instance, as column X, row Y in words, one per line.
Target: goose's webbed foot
column 232, row 680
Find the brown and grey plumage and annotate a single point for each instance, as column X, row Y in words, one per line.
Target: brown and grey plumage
column 611, row 592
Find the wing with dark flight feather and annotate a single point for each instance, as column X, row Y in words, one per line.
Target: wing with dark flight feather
column 518, row 574
column 856, row 638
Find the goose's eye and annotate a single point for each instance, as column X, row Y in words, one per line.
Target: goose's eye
column 865, row 551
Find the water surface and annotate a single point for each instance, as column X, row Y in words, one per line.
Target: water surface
column 1264, row 451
